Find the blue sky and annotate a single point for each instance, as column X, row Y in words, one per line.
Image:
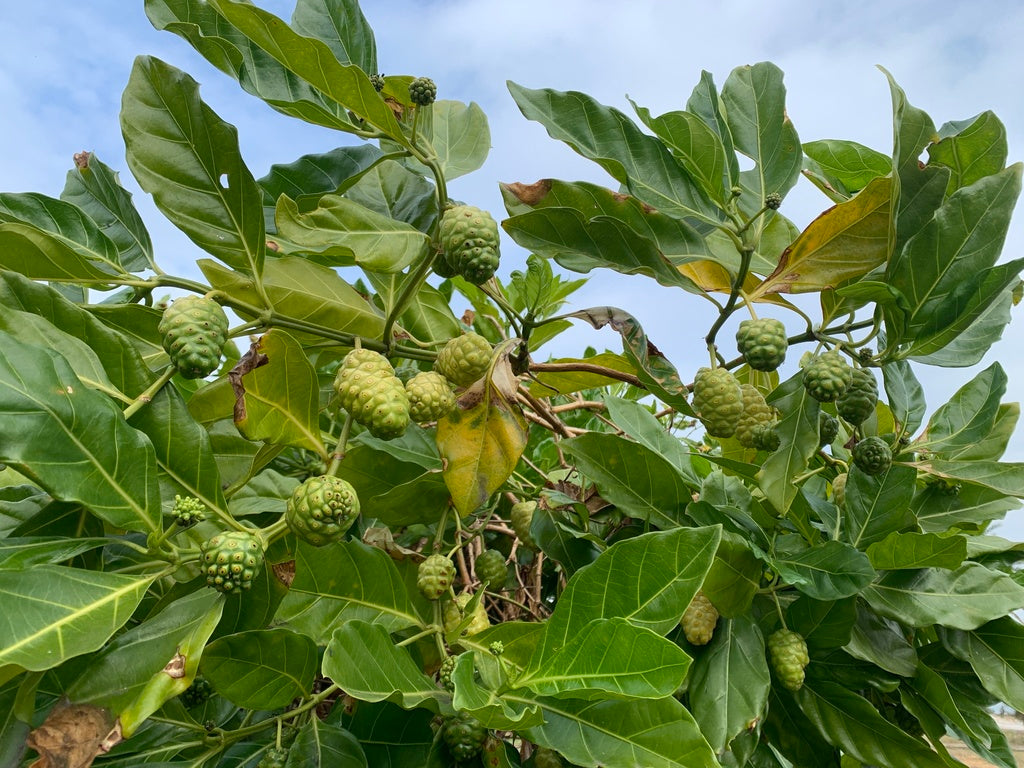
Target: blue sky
column 64, row 63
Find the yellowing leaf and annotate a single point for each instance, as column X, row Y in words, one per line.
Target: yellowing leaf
column 481, row 440
column 713, row 277
column 846, row 241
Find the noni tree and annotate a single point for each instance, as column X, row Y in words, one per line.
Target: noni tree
column 332, row 503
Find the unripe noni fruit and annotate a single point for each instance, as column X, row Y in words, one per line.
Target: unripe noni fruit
column 369, row 390
column 773, row 200
column 860, row 398
column 464, row 359
column 828, row 428
column 274, row 758
column 521, row 518
column 322, row 509
column 193, row 332
column 445, row 672
column 422, row 91
column 788, row 653
column 464, row 735
column 430, row 396
column 839, row 490
column 699, row 620
column 470, row 239
column 755, row 411
column 491, row 569
column 434, row 576
column 765, row 438
column 872, row 456
column 717, row 400
column 762, row 343
column 231, row 560
column 455, row 612
column 827, row 377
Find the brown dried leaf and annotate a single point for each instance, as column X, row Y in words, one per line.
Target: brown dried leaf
column 72, row 736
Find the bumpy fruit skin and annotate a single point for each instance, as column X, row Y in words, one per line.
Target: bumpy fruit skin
column 827, row 377
column 828, row 428
column 322, row 509
column 422, row 91
column 430, row 396
column 762, row 343
column 447, row 669
column 434, row 576
column 699, row 620
column 839, row 489
column 765, row 438
column 377, row 81
column 188, row 511
column 547, row 758
column 274, row 758
column 369, row 390
column 860, row 398
column 718, row 401
column 872, row 456
column 469, row 237
column 231, row 561
column 491, row 569
column 193, row 331
column 454, row 613
column 788, row 653
column 521, row 518
column 773, row 200
column 464, row 736
column 464, row 359
column 755, row 411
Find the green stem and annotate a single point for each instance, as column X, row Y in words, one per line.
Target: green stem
column 146, row 397
column 439, row 533
column 778, row 608
column 339, row 448
column 409, row 289
column 439, row 636
column 312, row 703
column 746, row 254
column 431, row 630
column 274, row 531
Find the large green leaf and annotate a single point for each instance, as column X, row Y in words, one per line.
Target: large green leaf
column 355, row 582
column 735, row 575
column 962, row 599
column 394, row 191
column 342, row 26
column 322, row 745
column 73, row 441
column 610, row 656
column 1004, row 477
column 906, row 395
column 899, row 551
column 21, row 552
column 823, row 623
column 850, row 722
column 428, row 317
column 937, row 510
column 798, row 433
column 729, row 682
column 996, row 652
column 877, row 505
column 635, row 478
column 968, row 417
column 340, row 232
column 52, row 613
column 311, row 177
column 184, row 155
column 364, row 661
column 647, row 580
column 261, row 668
column 847, row 166
column 971, row 149
column 486, row 705
column 882, row 642
column 39, row 255
column 654, row 733
column 388, row 734
column 459, row 135
column 829, row 571
column 278, row 395
column 637, row 422
column 642, row 163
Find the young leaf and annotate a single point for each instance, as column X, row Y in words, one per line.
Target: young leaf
column 906, row 395
column 262, row 668
column 184, row 155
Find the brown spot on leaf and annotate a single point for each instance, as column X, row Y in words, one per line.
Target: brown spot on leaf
column 81, row 160
column 273, row 246
column 284, row 572
column 175, row 668
column 73, row 735
column 530, row 194
column 396, row 107
column 468, row 317
column 250, row 361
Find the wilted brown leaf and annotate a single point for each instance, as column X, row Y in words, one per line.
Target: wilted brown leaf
column 72, row 736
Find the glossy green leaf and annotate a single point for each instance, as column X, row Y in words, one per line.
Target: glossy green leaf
column 971, row 149
column 647, row 580
column 996, row 653
column 139, row 670
column 489, row 707
column 905, row 394
column 899, row 551
column 18, row 553
column 73, row 441
column 877, row 505
column 734, row 577
column 278, row 400
column 564, row 544
column 184, row 155
column 364, row 661
column 962, row 599
column 40, row 255
column 342, row 26
column 729, row 682
column 321, row 745
column 830, row 571
column 356, row 582
column 634, row 477
column 846, row 165
column 792, row 734
column 459, row 135
column 422, row 500
column 53, row 613
column 299, row 288
column 312, row 176
column 822, row 623
column 261, row 668
column 882, row 642
column 340, row 232
column 654, row 733
column 844, row 718
column 96, row 189
column 427, row 316
column 968, row 417
column 392, row 190
column 388, row 734
column 312, row 60
column 610, row 655
column 704, row 101
column 929, row 685
column 637, row 421
column 653, row 369
column 938, row 511
column 1004, row 477
column 605, row 135
column 798, row 434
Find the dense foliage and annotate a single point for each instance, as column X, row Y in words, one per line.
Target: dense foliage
column 303, row 513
